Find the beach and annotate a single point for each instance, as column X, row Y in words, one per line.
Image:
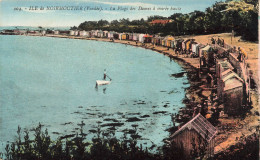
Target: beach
column 230, row 135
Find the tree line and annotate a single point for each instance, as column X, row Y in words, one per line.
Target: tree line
column 220, row 17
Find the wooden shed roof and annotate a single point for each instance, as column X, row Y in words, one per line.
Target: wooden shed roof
column 201, row 125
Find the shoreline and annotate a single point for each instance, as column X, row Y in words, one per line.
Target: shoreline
column 190, row 65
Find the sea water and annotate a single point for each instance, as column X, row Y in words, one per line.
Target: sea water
column 52, row 81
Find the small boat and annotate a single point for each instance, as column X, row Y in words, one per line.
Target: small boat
column 102, row 82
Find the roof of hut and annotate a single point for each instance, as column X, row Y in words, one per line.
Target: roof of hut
column 201, row 125
column 147, row 35
column 225, row 64
column 169, row 37
column 208, row 48
column 232, row 80
column 226, row 72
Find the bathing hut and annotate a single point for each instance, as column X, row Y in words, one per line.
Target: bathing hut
column 221, row 66
column 179, row 45
column 72, row 32
column 105, row 34
column 110, row 35
column 148, row 38
column 141, row 38
column 124, row 36
column 197, row 130
column 88, row 34
column 76, row 33
column 56, row 32
column 116, row 35
column 168, row 40
column 208, row 53
column 64, row 32
column 130, row 36
column 198, row 49
column 82, row 33
column 100, row 34
column 232, row 95
column 157, row 40
column 135, row 36
column 43, row 32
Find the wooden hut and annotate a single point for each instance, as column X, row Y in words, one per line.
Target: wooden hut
column 168, row 40
column 199, row 47
column 148, row 38
column 124, row 36
column 110, row 34
column 141, row 38
column 105, row 34
column 64, row 32
column 131, row 36
column 56, row 32
column 72, row 32
column 208, row 54
column 232, row 93
column 193, row 49
column 82, row 33
column 116, row 35
column 221, row 66
column 135, row 37
column 100, row 34
column 197, row 130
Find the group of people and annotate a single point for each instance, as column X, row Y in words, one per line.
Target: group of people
column 218, row 41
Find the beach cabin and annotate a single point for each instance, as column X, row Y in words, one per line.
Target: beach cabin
column 94, row 33
column 124, row 36
column 56, row 32
column 172, row 44
column 198, row 131
column 156, row 40
column 232, row 87
column 135, row 37
column 43, row 32
column 148, row 38
column 76, row 33
column 168, row 40
column 179, row 44
column 105, row 34
column 64, row 32
column 110, row 35
column 193, row 49
column 130, row 36
column 88, row 34
column 198, row 49
column 100, row 34
column 116, row 35
column 208, row 54
column 72, row 33
column 141, row 38
column 82, row 33
column 221, row 66
column 183, row 45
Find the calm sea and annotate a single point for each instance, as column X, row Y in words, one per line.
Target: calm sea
column 52, row 81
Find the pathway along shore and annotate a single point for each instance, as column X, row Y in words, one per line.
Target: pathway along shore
column 230, row 130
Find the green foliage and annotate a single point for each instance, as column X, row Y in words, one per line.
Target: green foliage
column 103, row 146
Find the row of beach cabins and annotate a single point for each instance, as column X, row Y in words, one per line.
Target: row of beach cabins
column 231, row 78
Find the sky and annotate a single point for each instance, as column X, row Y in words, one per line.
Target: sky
column 44, row 13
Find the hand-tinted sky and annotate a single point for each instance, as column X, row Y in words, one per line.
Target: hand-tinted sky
column 11, row 17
